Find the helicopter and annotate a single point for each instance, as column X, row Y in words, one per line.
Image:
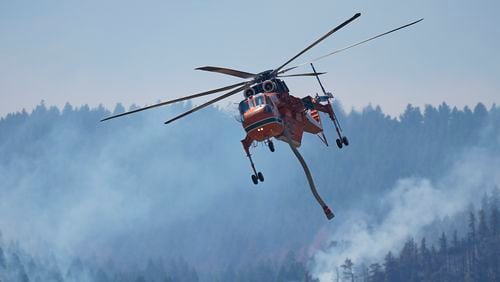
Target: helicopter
column 269, row 111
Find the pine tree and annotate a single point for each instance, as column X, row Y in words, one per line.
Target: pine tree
column 424, row 260
column 408, row 261
column 443, row 258
column 443, row 244
column 471, row 246
column 391, row 268
column 375, row 273
column 483, row 252
column 455, row 261
column 494, row 212
column 483, row 225
column 348, row 270
column 495, row 234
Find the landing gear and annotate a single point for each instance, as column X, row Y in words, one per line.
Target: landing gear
column 271, row 145
column 260, row 176
column 345, row 140
column 342, row 141
column 339, row 143
column 257, row 177
column 328, row 108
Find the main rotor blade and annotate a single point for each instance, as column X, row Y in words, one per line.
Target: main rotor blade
column 176, row 100
column 317, row 41
column 207, row 103
column 302, row 74
column 351, row 46
column 237, row 73
column 316, row 74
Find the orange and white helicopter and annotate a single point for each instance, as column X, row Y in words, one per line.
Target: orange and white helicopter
column 268, row 110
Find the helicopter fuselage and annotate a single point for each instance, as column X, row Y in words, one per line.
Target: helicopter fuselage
column 278, row 114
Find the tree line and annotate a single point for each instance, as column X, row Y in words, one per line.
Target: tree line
column 383, row 149
column 474, row 256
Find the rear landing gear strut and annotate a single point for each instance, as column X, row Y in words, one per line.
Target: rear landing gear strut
column 342, row 140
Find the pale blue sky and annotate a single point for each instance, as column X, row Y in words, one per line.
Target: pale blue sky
column 143, row 51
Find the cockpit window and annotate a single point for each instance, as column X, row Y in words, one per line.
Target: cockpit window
column 243, row 107
column 259, row 100
column 255, row 101
column 268, row 100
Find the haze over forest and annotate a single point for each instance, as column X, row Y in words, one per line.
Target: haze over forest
column 133, row 199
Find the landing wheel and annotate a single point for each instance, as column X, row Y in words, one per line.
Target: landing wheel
column 260, row 176
column 339, row 143
column 345, row 140
column 255, row 179
column 271, row 146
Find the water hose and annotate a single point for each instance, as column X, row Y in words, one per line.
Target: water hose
column 329, row 214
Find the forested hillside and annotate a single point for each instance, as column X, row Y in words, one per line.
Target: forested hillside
column 473, row 256
column 134, row 200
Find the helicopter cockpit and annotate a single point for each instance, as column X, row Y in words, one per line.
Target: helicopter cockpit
column 256, row 102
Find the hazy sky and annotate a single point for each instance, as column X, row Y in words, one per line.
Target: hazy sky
column 143, row 51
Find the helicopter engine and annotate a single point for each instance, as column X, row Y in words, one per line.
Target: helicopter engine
column 249, row 92
column 268, row 86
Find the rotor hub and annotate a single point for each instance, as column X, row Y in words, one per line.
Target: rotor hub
column 263, row 76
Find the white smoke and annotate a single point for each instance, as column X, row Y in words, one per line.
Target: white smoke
column 413, row 204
